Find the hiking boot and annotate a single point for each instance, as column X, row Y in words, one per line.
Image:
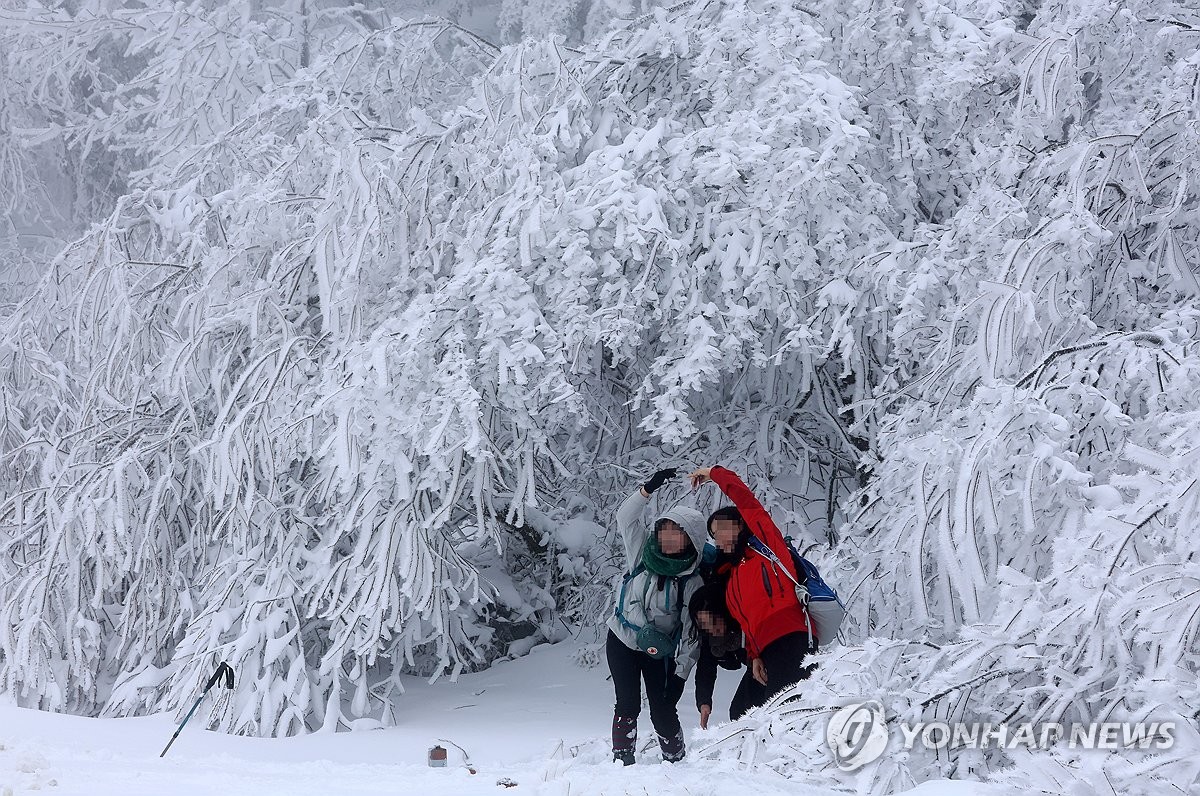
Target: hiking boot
column 673, row 749
column 624, row 738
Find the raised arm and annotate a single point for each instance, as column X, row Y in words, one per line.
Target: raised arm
column 633, row 531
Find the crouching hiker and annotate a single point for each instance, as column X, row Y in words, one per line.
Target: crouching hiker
column 759, row 592
column 721, row 645
column 650, row 635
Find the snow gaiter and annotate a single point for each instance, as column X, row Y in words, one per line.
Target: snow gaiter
column 672, row 748
column 624, row 738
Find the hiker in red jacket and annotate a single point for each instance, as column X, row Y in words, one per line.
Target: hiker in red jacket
column 760, row 597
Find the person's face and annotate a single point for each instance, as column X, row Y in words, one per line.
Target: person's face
column 725, row 533
column 711, row 623
column 672, row 539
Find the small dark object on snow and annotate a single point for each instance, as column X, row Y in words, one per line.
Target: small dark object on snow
column 506, row 782
column 437, row 757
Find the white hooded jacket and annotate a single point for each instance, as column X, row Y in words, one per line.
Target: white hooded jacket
column 645, row 603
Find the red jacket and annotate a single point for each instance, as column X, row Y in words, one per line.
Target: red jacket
column 760, row 597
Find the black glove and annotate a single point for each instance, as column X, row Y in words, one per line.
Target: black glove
column 659, row 478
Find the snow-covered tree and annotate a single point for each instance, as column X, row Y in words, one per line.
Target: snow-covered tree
column 1025, row 537
column 350, row 336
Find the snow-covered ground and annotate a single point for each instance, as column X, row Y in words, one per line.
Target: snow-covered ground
column 540, row 721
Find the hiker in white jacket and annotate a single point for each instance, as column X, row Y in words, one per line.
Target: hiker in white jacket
column 650, row 637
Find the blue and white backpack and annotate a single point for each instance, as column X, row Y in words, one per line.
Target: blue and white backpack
column 819, row 599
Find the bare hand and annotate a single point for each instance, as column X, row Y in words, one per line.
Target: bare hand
column 700, row 476
column 758, row 671
column 705, row 712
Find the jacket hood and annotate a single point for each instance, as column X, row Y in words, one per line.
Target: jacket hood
column 691, row 521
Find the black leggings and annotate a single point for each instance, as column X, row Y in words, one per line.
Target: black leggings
column 663, row 689
column 750, row 694
column 784, row 662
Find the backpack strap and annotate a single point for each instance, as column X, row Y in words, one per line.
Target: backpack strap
column 621, row 599
column 758, row 546
column 679, row 581
column 762, row 549
column 640, row 568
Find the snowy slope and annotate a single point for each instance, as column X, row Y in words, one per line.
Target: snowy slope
column 540, row 721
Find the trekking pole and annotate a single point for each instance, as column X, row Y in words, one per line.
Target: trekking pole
column 466, row 757
column 223, row 669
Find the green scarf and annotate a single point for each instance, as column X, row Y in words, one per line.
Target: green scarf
column 659, row 563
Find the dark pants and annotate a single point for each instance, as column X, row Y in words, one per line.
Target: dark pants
column 750, row 694
column 630, row 668
column 784, row 662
